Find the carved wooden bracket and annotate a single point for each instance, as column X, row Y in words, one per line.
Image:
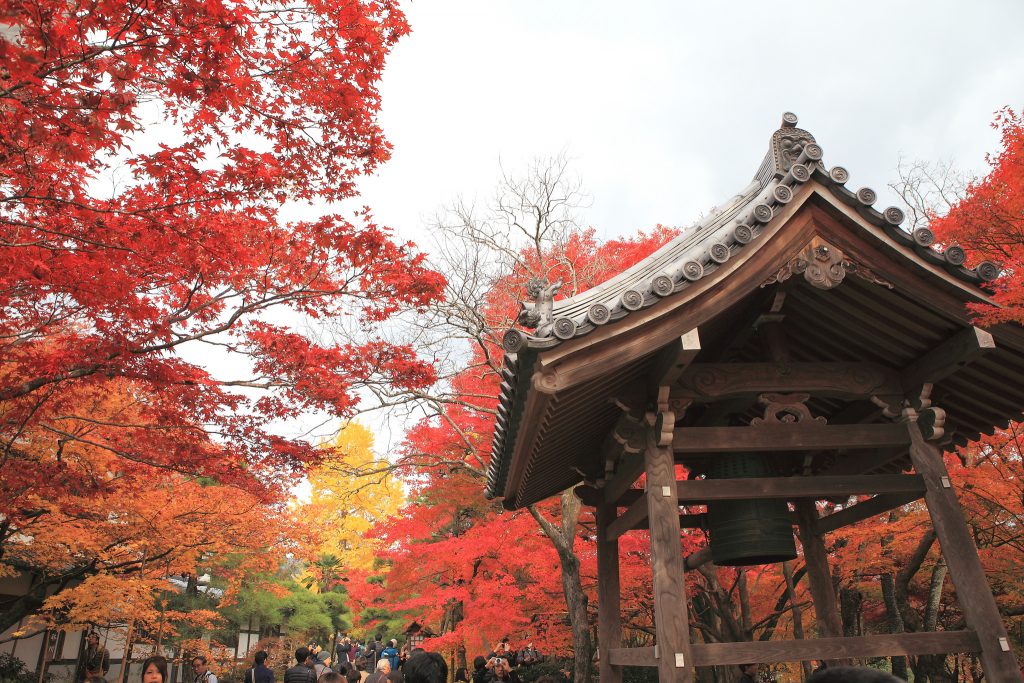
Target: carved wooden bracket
column 823, row 266
column 785, row 409
column 932, row 422
column 664, row 425
column 930, row 418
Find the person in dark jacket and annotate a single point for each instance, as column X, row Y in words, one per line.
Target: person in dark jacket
column 260, row 672
column 426, row 667
column 380, row 674
column 480, row 671
column 95, row 659
column 302, row 672
column 501, row 671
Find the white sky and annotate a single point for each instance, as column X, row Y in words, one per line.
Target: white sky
column 667, row 107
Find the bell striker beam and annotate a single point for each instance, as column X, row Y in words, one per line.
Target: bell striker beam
column 673, row 652
column 965, row 570
column 609, row 616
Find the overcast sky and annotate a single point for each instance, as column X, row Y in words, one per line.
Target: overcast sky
column 667, row 107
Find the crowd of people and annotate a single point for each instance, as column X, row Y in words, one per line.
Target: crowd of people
column 350, row 664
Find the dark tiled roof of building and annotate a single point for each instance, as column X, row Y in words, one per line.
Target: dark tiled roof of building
column 793, row 159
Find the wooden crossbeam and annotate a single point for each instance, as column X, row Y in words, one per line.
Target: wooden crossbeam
column 946, row 358
column 888, row 645
column 787, row 437
column 691, row 521
column 632, row 518
column 858, row 462
column 708, row 382
column 674, row 359
column 699, row 491
column 703, row 490
column 631, row 466
column 863, row 510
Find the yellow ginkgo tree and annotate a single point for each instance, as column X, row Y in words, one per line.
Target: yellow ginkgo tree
column 351, row 490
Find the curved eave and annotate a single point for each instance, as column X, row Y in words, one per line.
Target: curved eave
column 699, row 252
column 552, row 373
column 698, row 260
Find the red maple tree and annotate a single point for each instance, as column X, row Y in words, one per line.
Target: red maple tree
column 457, row 561
column 258, row 103
column 989, row 221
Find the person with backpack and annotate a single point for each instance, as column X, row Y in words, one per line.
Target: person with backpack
column 390, row 653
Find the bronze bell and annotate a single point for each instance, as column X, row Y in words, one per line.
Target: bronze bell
column 747, row 532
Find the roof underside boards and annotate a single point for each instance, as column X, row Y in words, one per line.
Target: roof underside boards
column 915, row 304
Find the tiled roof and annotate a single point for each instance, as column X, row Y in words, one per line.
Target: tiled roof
column 793, row 159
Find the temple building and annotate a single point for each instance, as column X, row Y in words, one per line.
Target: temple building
column 799, row 344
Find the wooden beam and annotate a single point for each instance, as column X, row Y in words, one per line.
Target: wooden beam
column 795, row 488
column 609, row 616
column 675, row 664
column 632, row 518
column 786, row 437
column 946, row 358
column 965, row 570
column 865, row 509
column 772, row 651
column 694, row 521
column 716, row 381
column 631, row 466
column 860, row 461
column 697, row 558
column 698, row 491
column 674, row 359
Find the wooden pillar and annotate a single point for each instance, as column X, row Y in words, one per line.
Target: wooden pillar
column 675, row 660
column 609, row 616
column 826, row 611
column 965, row 570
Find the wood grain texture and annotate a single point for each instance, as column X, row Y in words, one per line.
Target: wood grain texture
column 670, row 611
column 632, row 518
column 965, row 570
column 674, row 359
column 631, row 466
column 787, row 437
column 772, row 651
column 947, row 358
column 718, row 381
column 792, row 488
column 609, row 617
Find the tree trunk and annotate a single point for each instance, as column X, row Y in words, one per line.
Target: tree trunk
column 850, row 601
column 454, row 613
column 798, row 619
column 744, row 591
column 934, row 666
column 563, row 538
column 899, row 664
